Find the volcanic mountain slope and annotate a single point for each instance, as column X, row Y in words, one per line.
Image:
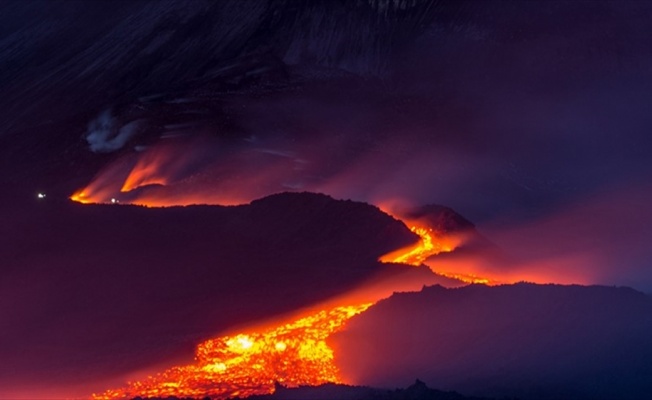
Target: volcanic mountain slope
column 446, row 222
column 92, row 292
column 163, row 63
column 132, row 49
column 330, row 391
column 416, row 391
column 524, row 340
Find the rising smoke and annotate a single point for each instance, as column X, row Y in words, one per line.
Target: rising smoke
column 106, row 134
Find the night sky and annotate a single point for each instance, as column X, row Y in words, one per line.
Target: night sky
column 530, row 119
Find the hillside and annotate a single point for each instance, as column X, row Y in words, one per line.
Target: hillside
column 523, row 340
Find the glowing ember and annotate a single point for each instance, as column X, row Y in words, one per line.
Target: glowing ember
column 246, row 364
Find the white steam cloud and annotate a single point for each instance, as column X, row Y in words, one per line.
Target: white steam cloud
column 105, row 134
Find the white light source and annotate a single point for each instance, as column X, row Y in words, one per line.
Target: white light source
column 41, row 195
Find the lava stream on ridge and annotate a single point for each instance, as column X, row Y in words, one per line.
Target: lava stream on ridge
column 431, row 243
column 293, row 353
column 247, row 364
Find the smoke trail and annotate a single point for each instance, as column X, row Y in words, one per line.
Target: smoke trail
column 105, row 134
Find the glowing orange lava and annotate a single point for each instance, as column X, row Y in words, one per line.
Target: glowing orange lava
column 430, row 244
column 292, row 354
column 418, row 253
column 81, row 197
column 245, row 364
column 468, row 278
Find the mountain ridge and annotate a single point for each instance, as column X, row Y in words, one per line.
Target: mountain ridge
column 525, row 340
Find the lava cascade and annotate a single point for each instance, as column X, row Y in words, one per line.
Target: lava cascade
column 431, row 243
column 292, row 354
column 247, row 364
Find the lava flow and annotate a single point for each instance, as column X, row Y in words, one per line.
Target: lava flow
column 419, row 252
column 430, row 244
column 246, row 364
column 292, row 354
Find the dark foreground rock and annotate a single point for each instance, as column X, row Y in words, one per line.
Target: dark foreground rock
column 331, row 391
column 417, row 391
column 524, row 340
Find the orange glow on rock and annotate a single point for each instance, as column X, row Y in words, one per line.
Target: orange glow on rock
column 246, row 364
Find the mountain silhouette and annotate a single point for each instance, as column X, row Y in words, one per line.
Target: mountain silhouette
column 524, row 340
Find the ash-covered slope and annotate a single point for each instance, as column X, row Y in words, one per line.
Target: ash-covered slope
column 92, row 292
column 56, row 54
column 524, row 340
column 135, row 69
column 458, row 78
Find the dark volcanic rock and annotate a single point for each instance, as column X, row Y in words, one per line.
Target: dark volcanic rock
column 524, row 340
column 98, row 53
column 332, row 225
column 416, row 391
column 330, row 391
column 94, row 291
column 440, row 218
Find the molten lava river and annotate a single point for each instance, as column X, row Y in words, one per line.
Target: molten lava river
column 430, row 244
column 292, row 353
column 249, row 363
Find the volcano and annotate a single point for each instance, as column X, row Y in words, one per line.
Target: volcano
column 193, row 271
column 253, row 180
column 147, row 285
